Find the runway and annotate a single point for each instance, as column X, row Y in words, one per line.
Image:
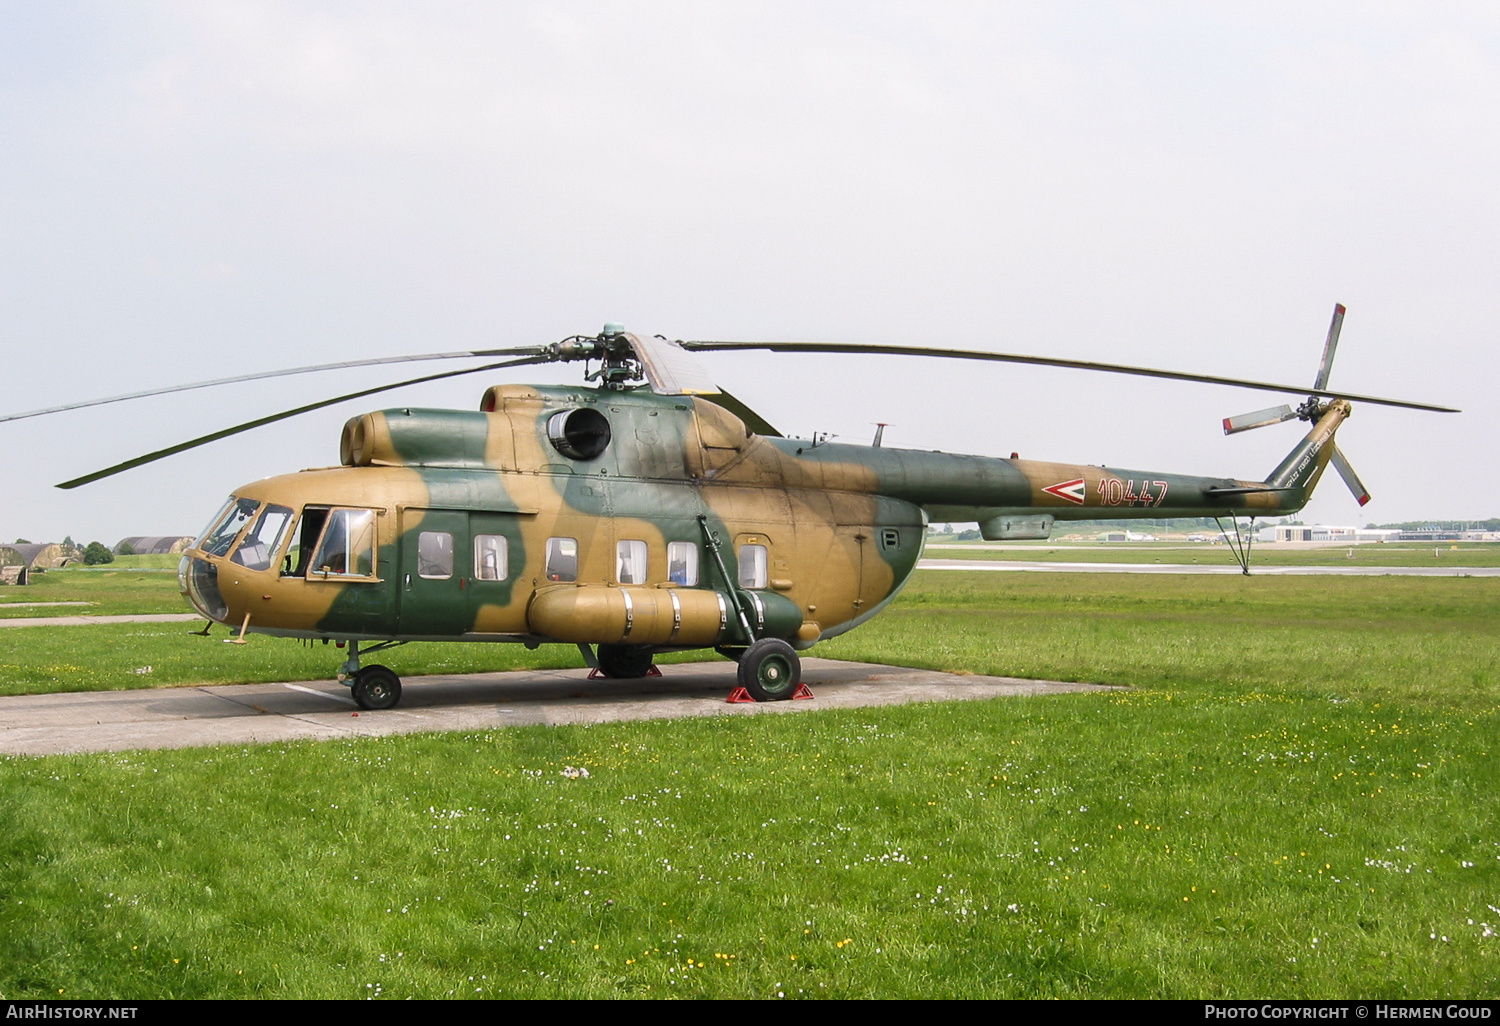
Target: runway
column 1205, row 568
column 237, row 714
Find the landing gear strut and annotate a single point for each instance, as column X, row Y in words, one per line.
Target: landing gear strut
column 374, row 686
column 1240, row 545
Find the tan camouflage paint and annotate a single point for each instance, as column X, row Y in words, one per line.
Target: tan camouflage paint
column 825, row 513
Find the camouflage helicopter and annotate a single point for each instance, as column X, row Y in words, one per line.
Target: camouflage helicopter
column 650, row 511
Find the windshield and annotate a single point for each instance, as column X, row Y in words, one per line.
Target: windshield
column 227, row 525
column 261, row 542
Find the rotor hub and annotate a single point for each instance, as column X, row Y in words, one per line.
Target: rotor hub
column 619, row 366
column 1311, row 410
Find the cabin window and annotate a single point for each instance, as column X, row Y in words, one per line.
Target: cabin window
column 435, row 555
column 630, row 562
column 262, row 541
column 753, row 566
column 491, row 557
column 562, row 559
column 348, row 545
column 227, row 526
column 682, row 563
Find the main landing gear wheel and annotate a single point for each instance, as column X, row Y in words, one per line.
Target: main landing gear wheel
column 770, row 670
column 625, row 662
column 376, row 687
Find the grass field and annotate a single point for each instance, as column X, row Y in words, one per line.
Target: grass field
column 1455, row 554
column 1298, row 797
column 131, row 584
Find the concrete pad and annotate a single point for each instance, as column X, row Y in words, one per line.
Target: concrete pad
column 261, row 713
column 81, row 621
column 11, row 605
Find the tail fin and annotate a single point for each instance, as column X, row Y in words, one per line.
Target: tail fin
column 1304, row 465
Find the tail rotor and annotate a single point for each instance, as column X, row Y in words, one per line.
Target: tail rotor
column 1311, row 410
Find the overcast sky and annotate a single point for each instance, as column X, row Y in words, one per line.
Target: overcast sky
column 203, row 189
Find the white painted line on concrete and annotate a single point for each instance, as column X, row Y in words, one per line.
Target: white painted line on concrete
column 322, row 694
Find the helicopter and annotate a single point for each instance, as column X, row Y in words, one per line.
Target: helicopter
column 647, row 510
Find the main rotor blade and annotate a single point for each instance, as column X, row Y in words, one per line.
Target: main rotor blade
column 671, row 369
column 1048, row 361
column 259, row 375
column 755, row 422
column 1260, row 418
column 152, row 457
column 1346, row 471
column 1326, row 364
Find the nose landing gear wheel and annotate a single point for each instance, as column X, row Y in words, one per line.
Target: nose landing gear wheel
column 376, row 687
column 770, row 670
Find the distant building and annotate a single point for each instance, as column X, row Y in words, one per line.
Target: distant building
column 38, row 556
column 1323, row 533
column 154, row 544
column 1327, row 533
column 1315, row 533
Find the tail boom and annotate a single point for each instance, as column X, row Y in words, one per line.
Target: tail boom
column 1065, row 491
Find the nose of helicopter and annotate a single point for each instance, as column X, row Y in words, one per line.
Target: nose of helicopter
column 198, row 580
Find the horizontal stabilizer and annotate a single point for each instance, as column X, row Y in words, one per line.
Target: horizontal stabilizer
column 1249, row 490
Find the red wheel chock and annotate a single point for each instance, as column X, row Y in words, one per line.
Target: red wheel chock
column 741, row 695
column 598, row 674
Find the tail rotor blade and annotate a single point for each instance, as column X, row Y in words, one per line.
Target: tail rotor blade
column 1260, row 418
column 1326, row 364
column 1341, row 464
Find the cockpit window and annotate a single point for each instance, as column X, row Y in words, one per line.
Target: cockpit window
column 263, row 540
column 304, row 538
column 348, row 545
column 214, row 522
column 227, row 526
